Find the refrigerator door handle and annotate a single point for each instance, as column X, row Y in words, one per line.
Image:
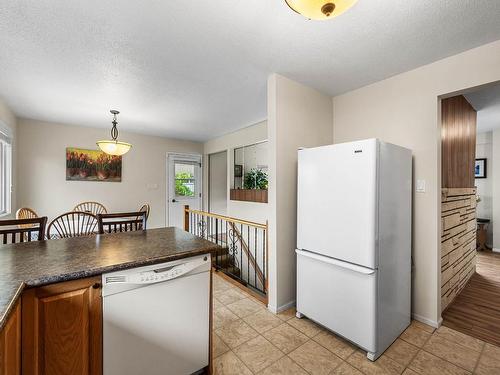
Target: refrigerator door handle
column 335, row 262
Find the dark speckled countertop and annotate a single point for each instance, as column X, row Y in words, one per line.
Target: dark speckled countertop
column 45, row 262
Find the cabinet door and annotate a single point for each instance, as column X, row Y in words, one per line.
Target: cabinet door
column 10, row 344
column 62, row 329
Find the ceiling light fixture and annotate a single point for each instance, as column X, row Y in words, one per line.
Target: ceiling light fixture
column 113, row 146
column 320, row 9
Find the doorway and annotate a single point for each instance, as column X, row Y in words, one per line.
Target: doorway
column 217, row 183
column 183, row 186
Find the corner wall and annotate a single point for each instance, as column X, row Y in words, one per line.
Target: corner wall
column 405, row 109
column 298, row 116
column 42, row 181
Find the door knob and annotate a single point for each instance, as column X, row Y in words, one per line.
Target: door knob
column 173, row 201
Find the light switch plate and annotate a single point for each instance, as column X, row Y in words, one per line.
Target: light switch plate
column 420, row 186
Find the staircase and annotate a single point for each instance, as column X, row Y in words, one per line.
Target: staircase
column 225, row 261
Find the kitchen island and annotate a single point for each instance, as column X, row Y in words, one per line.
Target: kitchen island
column 71, row 269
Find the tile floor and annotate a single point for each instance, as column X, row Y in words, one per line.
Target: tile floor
column 248, row 339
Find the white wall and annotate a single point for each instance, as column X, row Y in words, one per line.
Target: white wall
column 298, row 116
column 495, row 161
column 42, row 181
column 257, row 212
column 218, row 175
column 405, row 110
column 8, row 119
column 484, row 186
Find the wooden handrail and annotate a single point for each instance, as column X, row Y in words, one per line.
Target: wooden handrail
column 227, row 218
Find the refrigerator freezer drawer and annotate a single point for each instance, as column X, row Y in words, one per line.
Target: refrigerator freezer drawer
column 339, row 296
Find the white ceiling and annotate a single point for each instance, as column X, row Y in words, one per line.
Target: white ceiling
column 486, row 102
column 198, row 69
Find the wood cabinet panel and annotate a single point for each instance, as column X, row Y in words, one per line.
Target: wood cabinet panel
column 458, row 147
column 248, row 195
column 10, row 344
column 62, row 328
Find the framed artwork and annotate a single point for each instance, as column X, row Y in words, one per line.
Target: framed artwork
column 92, row 165
column 480, row 168
column 238, row 170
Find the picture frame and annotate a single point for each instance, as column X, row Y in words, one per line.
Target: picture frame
column 480, row 168
column 92, row 165
column 238, row 170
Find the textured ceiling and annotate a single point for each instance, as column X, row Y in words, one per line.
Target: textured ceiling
column 198, row 69
column 486, row 102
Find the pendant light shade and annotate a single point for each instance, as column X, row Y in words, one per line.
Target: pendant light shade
column 113, row 146
column 320, row 9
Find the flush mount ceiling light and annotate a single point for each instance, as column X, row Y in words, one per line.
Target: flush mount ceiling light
column 320, row 9
column 113, row 146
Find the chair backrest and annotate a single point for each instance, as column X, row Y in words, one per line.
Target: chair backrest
column 72, row 224
column 122, row 222
column 146, row 208
column 22, row 230
column 26, row 213
column 91, row 207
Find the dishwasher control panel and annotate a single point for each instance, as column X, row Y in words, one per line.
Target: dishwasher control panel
column 157, row 273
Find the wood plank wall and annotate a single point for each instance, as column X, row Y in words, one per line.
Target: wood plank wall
column 458, row 147
column 458, row 241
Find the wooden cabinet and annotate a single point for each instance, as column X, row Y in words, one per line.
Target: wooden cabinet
column 62, row 328
column 10, row 344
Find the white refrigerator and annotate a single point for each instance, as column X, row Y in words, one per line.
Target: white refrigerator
column 354, row 240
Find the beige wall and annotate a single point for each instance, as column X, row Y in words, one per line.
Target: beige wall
column 8, row 118
column 405, row 110
column 495, row 176
column 42, row 181
column 298, row 116
column 257, row 212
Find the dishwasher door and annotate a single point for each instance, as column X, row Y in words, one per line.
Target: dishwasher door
column 156, row 318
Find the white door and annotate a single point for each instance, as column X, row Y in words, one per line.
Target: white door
column 337, row 201
column 184, row 186
column 340, row 296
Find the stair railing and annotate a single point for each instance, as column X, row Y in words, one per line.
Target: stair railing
column 243, row 253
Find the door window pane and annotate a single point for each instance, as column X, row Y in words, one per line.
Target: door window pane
column 185, row 183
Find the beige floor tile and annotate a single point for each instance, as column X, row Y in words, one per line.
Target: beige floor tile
column 286, row 338
column 402, row 352
column 218, row 346
column 229, row 364
column 245, row 307
column 258, row 353
column 428, row 364
column 488, row 365
column 460, row 338
column 263, row 321
column 285, row 366
column 452, row 352
column 306, row 326
column 384, row 365
column 409, row 371
column 415, row 336
column 287, row 314
column 315, row 359
column 335, row 344
column 216, row 303
column 222, row 317
column 346, row 369
column 491, row 350
column 219, row 284
column 423, row 326
column 236, row 333
column 229, row 296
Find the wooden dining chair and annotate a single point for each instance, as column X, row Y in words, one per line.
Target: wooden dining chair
column 26, row 213
column 72, row 224
column 91, row 207
column 146, row 208
column 122, row 222
column 22, row 230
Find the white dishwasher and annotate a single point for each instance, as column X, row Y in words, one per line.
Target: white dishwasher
column 156, row 318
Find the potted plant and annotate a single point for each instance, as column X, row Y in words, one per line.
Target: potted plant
column 256, row 179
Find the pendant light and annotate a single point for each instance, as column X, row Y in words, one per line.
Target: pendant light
column 113, row 146
column 320, row 9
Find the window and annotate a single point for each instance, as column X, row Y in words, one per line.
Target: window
column 185, row 179
column 5, row 174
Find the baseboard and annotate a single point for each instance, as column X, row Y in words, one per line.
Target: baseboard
column 495, row 250
column 427, row 321
column 281, row 308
